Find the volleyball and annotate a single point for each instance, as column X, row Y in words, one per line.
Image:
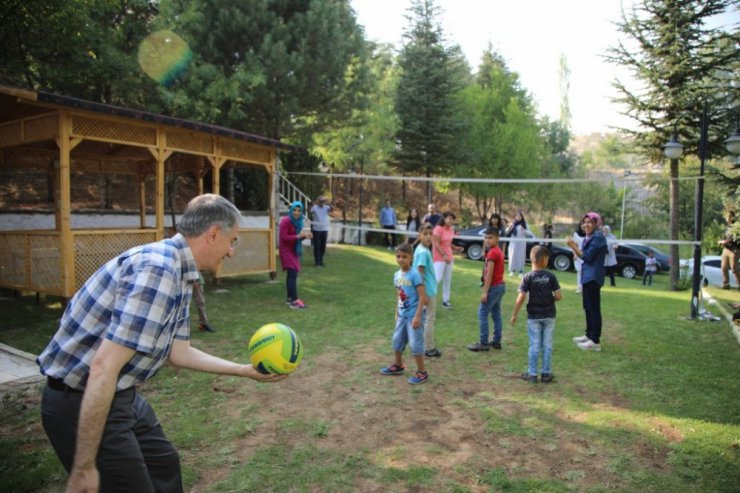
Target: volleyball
column 275, row 348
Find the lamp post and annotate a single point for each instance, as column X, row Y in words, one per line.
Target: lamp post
column 673, row 150
column 624, row 198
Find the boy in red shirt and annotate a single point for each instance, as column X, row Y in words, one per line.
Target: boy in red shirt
column 493, row 291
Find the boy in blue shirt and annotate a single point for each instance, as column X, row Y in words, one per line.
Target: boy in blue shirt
column 409, row 328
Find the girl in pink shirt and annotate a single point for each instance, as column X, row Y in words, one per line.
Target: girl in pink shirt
column 442, row 251
column 290, row 242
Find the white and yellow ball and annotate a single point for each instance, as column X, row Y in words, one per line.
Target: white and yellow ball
column 275, row 348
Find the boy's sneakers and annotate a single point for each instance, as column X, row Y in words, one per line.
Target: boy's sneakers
column 529, row 378
column 433, row 353
column 447, row 305
column 547, row 378
column 394, row 369
column 580, row 339
column 298, row 304
column 419, row 377
column 589, row 345
column 478, row 347
column 496, row 345
column 203, row 327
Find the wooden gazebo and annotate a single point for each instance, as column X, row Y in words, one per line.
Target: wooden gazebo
column 63, row 135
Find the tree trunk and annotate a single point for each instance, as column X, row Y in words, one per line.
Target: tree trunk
column 674, row 223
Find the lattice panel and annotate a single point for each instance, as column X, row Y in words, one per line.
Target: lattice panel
column 115, row 131
column 44, row 128
column 10, row 134
column 31, row 261
column 252, row 255
column 243, row 151
column 188, row 141
column 45, row 273
column 92, row 250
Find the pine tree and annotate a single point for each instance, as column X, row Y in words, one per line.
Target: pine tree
column 679, row 64
column 425, row 101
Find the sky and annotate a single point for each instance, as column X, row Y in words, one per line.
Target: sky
column 531, row 35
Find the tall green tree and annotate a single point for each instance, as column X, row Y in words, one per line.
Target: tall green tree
column 425, row 102
column 82, row 48
column 501, row 135
column 273, row 67
column 679, row 64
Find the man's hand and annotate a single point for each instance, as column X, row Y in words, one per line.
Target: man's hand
column 513, row 320
column 251, row 372
column 416, row 322
column 83, row 481
column 484, row 297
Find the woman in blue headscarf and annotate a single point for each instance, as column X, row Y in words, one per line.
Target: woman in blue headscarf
column 290, row 242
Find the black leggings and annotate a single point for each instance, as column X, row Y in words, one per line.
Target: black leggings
column 592, row 307
column 291, row 283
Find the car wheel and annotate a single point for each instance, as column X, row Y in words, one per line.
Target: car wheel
column 629, row 271
column 562, row 262
column 474, row 251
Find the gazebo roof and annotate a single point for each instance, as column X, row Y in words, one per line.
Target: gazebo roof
column 11, row 108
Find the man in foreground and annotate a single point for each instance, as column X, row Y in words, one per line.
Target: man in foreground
column 126, row 321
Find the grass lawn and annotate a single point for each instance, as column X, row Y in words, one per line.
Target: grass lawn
column 658, row 410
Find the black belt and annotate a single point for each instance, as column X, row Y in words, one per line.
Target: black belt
column 57, row 384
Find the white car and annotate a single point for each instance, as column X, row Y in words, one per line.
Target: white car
column 710, row 270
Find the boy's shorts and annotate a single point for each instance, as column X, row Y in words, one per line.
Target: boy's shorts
column 404, row 334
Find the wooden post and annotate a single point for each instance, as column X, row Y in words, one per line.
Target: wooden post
column 142, row 200
column 273, row 214
column 160, row 155
column 63, row 206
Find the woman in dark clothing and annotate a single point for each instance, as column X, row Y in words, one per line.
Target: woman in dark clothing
column 592, row 252
column 413, row 224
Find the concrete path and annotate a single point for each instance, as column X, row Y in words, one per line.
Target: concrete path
column 17, row 368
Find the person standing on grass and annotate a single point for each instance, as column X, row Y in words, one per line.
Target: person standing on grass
column 127, row 320
column 730, row 257
column 320, row 228
column 200, row 303
column 544, row 290
column 518, row 249
column 592, row 253
column 651, row 267
column 442, row 250
column 494, row 288
column 610, row 262
column 388, row 221
column 411, row 299
column 413, row 225
column 424, row 264
column 290, row 248
column 578, row 237
column 432, row 217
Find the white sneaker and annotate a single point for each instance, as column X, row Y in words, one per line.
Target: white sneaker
column 511, row 273
column 589, row 346
column 580, row 339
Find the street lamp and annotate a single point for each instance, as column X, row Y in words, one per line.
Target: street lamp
column 673, row 150
column 624, row 198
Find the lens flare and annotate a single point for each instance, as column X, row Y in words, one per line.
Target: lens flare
column 164, row 56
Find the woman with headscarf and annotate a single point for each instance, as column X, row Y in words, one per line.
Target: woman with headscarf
column 518, row 249
column 592, row 252
column 290, row 248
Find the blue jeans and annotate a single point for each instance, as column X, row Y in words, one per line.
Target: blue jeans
column 405, row 333
column 540, row 339
column 492, row 306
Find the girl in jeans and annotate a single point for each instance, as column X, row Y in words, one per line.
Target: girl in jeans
column 290, row 243
column 593, row 253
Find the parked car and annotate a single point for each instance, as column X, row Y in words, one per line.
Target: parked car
column 711, row 271
column 630, row 261
column 664, row 261
column 561, row 258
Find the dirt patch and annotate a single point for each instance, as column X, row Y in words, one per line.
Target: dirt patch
column 460, row 430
